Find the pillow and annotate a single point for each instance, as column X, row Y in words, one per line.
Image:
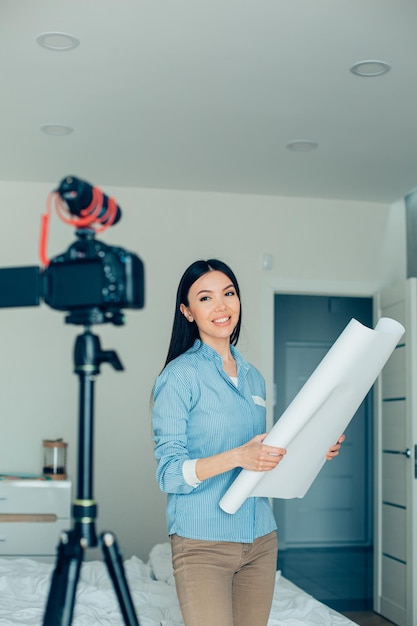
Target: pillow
column 161, row 564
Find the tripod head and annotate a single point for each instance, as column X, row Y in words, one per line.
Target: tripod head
column 88, row 355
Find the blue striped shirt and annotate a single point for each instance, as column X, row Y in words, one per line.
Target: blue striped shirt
column 198, row 411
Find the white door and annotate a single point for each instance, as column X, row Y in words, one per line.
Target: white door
column 396, row 491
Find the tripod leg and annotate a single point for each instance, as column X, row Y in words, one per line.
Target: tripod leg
column 61, row 599
column 114, row 564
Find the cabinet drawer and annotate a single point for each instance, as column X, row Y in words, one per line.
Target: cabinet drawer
column 30, row 539
column 31, row 496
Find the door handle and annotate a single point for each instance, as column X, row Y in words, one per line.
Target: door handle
column 406, row 452
column 415, row 461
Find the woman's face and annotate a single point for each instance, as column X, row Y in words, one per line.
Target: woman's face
column 214, row 306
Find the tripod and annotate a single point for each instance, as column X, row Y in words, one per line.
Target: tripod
column 88, row 357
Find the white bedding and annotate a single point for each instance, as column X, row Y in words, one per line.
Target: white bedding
column 24, row 588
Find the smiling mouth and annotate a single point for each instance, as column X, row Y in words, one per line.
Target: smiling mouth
column 221, row 320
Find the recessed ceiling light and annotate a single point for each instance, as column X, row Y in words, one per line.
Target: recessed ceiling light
column 56, row 130
column 302, row 145
column 370, row 68
column 57, row 41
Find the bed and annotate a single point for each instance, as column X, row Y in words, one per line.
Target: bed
column 24, row 588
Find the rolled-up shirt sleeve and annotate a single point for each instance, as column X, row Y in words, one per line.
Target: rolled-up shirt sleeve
column 171, row 407
column 189, row 473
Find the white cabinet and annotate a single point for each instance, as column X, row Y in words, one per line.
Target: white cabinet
column 33, row 513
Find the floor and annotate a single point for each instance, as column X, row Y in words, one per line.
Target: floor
column 367, row 618
column 341, row 578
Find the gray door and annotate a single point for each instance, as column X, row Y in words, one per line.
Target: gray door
column 337, row 510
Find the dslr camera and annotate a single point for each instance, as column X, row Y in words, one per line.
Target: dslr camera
column 92, row 281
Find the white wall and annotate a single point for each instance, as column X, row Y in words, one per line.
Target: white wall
column 309, row 240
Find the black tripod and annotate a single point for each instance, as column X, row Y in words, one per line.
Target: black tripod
column 88, row 357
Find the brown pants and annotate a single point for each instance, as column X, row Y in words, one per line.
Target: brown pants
column 225, row 583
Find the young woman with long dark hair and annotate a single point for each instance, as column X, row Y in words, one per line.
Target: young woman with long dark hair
column 209, row 422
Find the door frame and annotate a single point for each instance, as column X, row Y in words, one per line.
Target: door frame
column 272, row 285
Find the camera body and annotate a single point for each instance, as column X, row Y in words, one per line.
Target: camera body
column 93, row 274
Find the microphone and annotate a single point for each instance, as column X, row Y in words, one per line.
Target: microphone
column 80, row 195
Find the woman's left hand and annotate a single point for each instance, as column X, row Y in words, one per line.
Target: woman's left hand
column 334, row 450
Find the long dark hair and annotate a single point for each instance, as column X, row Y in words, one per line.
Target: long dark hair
column 184, row 333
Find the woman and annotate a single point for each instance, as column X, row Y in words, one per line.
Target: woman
column 209, row 423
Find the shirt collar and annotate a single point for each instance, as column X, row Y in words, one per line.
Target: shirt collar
column 210, row 353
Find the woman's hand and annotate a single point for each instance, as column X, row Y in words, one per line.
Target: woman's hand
column 334, row 450
column 259, row 457
column 253, row 455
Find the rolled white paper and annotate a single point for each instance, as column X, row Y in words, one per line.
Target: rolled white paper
column 319, row 413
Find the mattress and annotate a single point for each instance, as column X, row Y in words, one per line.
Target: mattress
column 24, row 588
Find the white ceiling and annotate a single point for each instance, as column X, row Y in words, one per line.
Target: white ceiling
column 205, row 95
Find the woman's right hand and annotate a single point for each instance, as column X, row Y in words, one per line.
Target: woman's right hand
column 253, row 455
column 259, row 457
